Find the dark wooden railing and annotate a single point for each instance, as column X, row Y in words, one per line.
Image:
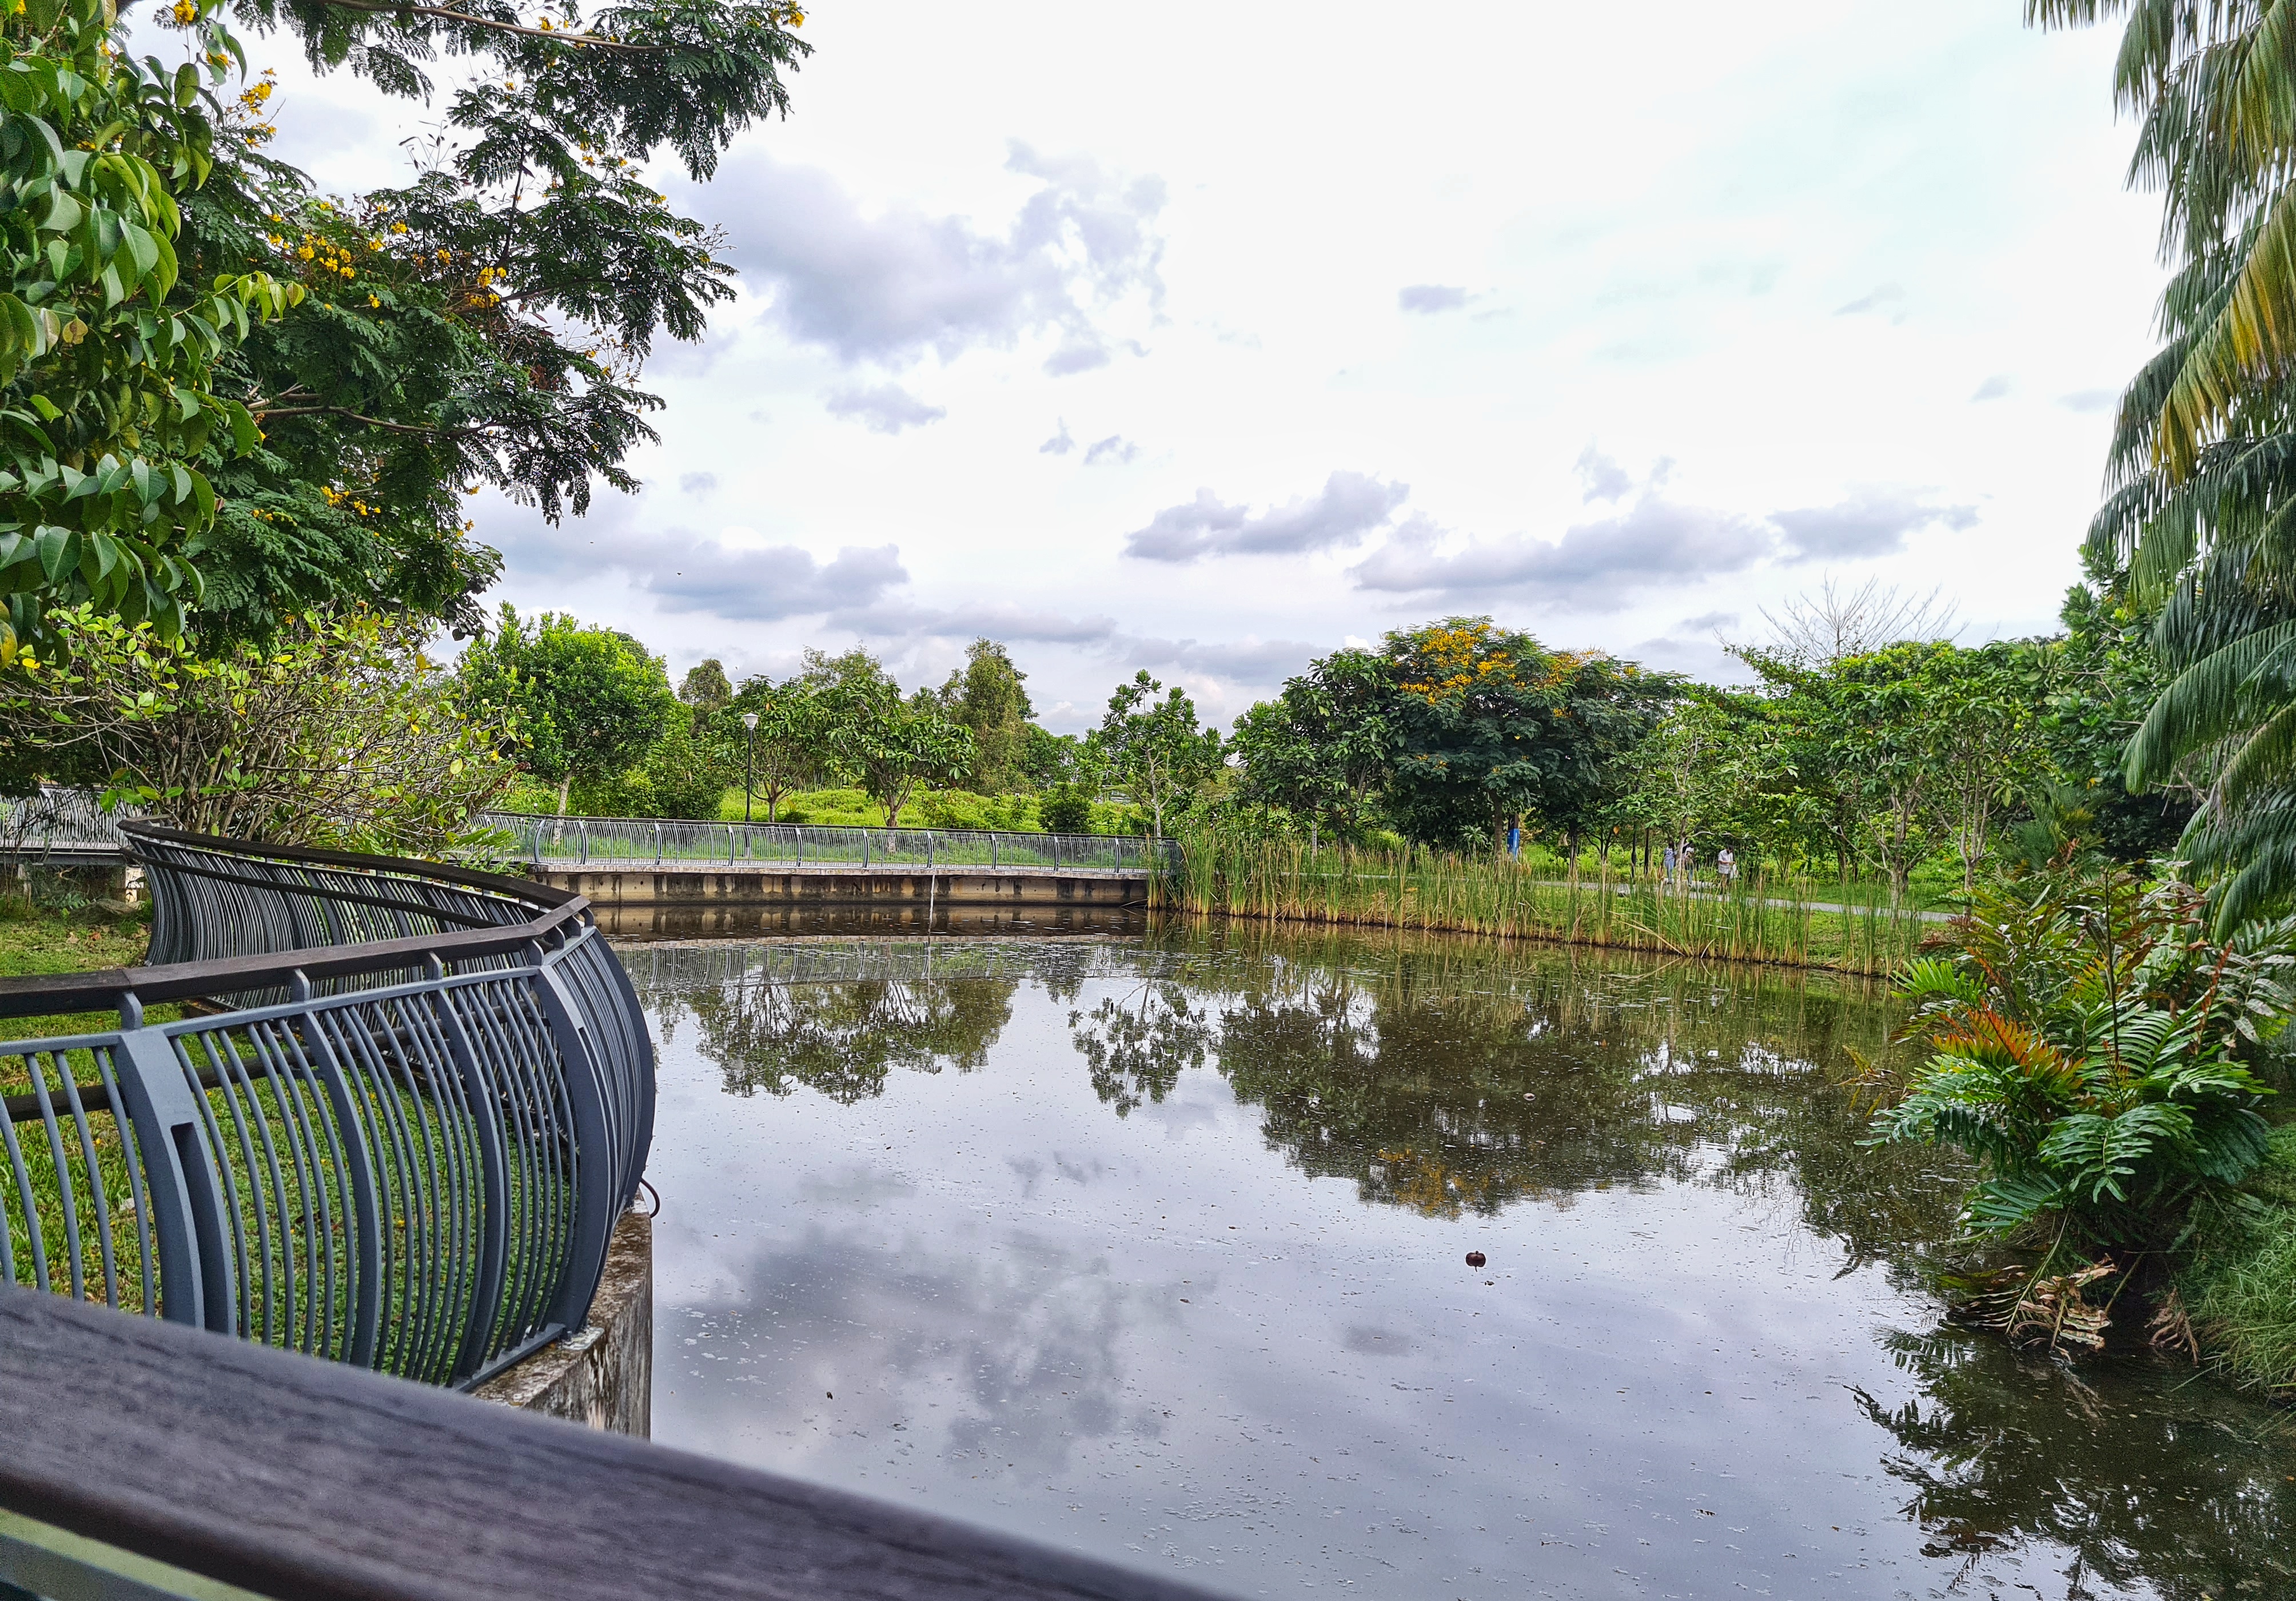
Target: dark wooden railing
column 310, row 1481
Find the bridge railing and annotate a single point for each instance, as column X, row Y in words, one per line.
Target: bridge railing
column 625, row 842
column 131, row 1444
column 397, row 1134
column 57, row 820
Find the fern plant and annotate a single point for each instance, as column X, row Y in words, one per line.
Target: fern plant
column 2087, row 1045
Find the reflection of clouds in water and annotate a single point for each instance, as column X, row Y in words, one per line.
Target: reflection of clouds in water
column 1368, row 1342
column 1005, row 1359
column 1068, row 1169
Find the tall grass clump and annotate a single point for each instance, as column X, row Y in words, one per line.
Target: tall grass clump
column 1221, row 873
column 2242, row 1287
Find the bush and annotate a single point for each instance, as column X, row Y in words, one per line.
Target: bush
column 1065, row 808
column 677, row 779
column 338, row 733
column 2087, row 1047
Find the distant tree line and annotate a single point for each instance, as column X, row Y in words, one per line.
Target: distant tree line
column 1849, row 751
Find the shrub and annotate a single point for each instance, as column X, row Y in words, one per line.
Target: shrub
column 339, row 733
column 2086, row 1047
column 1065, row 808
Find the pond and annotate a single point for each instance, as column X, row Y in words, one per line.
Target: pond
column 1157, row 1248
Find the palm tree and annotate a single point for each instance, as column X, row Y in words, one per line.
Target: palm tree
column 2200, row 522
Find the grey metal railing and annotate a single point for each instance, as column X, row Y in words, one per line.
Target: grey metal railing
column 668, row 841
column 57, row 821
column 402, row 1143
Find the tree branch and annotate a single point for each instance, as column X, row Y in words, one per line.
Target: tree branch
column 444, row 13
column 343, row 411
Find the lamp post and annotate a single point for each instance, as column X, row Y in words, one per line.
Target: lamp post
column 750, row 783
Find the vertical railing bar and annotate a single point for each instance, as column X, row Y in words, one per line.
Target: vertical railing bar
column 95, row 1183
column 132, row 1160
column 34, row 1236
column 66, row 1200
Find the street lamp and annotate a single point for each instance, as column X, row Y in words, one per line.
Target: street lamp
column 749, row 784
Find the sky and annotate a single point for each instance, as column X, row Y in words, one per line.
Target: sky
column 1208, row 339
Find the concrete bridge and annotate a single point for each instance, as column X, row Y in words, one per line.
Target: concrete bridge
column 645, row 875
column 666, row 877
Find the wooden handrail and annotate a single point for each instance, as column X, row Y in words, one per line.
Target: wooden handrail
column 298, row 1478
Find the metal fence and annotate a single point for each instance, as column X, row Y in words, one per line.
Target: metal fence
column 615, row 841
column 401, row 1144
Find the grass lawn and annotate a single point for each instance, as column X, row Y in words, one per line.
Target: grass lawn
column 37, row 938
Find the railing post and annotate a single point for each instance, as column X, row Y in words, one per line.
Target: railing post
column 1055, row 840
column 865, row 847
column 582, row 838
column 657, row 844
column 928, row 852
column 992, row 847
column 187, row 1219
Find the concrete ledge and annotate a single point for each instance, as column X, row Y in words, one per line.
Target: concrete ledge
column 604, row 1377
column 845, row 885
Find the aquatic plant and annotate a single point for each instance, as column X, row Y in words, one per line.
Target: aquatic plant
column 1238, row 873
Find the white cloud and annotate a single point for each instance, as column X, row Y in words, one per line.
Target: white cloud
column 1429, row 297
column 882, row 408
column 888, row 285
column 1350, row 506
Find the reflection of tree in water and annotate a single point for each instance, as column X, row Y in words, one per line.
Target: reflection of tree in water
column 1136, row 1046
column 1453, row 1077
column 2152, row 1484
column 843, row 1039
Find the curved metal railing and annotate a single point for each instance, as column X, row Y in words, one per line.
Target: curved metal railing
column 397, row 1133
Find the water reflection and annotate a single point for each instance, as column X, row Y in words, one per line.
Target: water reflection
column 1153, row 1248
column 843, row 1039
column 2142, row 1477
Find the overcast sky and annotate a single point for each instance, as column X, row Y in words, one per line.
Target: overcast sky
column 1209, row 339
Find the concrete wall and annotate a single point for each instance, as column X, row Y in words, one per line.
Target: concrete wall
column 602, row 1377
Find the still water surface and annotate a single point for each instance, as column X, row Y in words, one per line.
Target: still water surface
column 1155, row 1248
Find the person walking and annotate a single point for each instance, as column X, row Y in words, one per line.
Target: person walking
column 1666, row 877
column 1726, row 866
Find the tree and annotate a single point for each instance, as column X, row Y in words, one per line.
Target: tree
column 1325, row 748
column 991, row 699
column 896, row 745
column 2106, row 677
column 793, row 742
column 705, row 687
column 2203, row 461
column 1834, row 624
column 1154, row 747
column 340, row 733
column 296, row 394
column 1604, row 710
column 590, row 702
column 113, row 413
column 1985, row 710
column 1477, row 715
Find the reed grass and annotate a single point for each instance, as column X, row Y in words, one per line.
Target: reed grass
column 1792, row 923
